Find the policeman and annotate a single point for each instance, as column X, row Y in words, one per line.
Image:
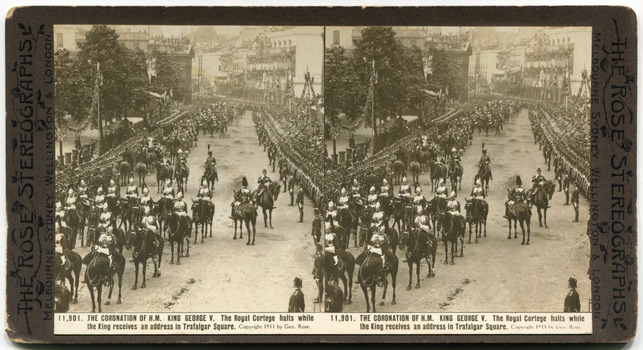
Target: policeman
column 300, row 204
column 453, row 206
column 180, row 207
column 575, row 202
column 296, row 302
column 566, row 183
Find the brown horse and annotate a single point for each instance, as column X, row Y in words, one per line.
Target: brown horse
column 203, row 214
column 180, row 228
column 521, row 213
column 419, row 246
column 371, row 273
column 267, row 200
column 246, row 213
column 398, row 170
column 98, row 273
column 141, row 170
column 453, row 227
column 125, row 172
column 477, row 211
column 541, row 200
column 326, row 271
column 415, row 169
column 146, row 244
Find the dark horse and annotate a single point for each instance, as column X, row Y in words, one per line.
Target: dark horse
column 202, row 214
column 181, row 174
column 267, row 200
column 98, row 273
column 453, row 227
column 125, row 171
column 541, row 201
column 415, row 169
column 371, row 273
column 141, row 170
column 455, row 174
column 180, row 228
column 246, row 213
column 146, row 244
column 326, row 271
column 398, row 170
column 163, row 173
column 347, row 221
column 210, row 175
column 69, row 271
column 419, row 246
column 334, row 299
column 402, row 214
column 438, row 171
column 477, row 211
column 520, row 213
column 484, row 174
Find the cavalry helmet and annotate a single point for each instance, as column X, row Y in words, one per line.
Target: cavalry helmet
column 453, row 150
column 404, row 178
column 70, row 191
column 384, row 182
column 518, row 181
column 377, row 205
column 418, row 189
column 372, row 189
column 204, row 184
column 146, row 210
column 441, row 183
column 343, row 190
column 420, row 210
column 59, row 205
column 111, row 182
column 99, row 190
column 478, row 183
column 179, row 195
column 538, row 170
column 82, row 182
column 131, row 180
column 331, row 205
column 145, row 190
column 180, row 151
column 452, row 194
column 264, row 171
column 244, row 182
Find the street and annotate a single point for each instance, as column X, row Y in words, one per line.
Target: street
column 497, row 274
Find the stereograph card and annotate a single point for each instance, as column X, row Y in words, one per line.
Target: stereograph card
column 321, row 174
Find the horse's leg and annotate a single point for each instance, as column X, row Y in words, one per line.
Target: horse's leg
column 383, row 293
column 270, row 216
column 446, row 252
column 528, row 231
column 410, row 263
column 364, row 289
column 135, row 275
column 265, row 217
column 470, row 224
column 417, row 285
column 454, row 249
column 343, row 278
column 545, row 216
column 144, row 269
column 522, row 227
column 247, row 222
column 187, row 251
column 540, row 217
column 91, row 292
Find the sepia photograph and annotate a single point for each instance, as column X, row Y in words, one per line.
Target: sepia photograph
column 457, row 168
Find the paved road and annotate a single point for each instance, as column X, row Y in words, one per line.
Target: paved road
column 494, row 275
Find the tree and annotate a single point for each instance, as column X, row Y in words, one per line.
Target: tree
column 168, row 76
column 444, row 75
column 378, row 45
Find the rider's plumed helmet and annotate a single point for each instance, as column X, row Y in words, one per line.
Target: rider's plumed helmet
column 418, row 189
column 179, row 195
column 441, row 183
column 112, row 183
column 204, row 184
column 331, row 205
column 384, row 182
column 131, row 181
column 99, row 190
column 146, row 190
column 372, row 189
column 452, row 194
column 478, row 183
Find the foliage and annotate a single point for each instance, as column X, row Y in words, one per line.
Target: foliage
column 168, row 76
column 341, row 88
column 70, row 92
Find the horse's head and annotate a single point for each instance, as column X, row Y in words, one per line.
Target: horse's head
column 549, row 188
column 131, row 238
column 468, row 207
column 318, row 268
column 405, row 237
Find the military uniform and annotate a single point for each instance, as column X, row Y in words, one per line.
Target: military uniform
column 441, row 191
column 575, row 202
column 453, row 207
column 180, row 207
column 300, row 204
column 372, row 198
column 168, row 191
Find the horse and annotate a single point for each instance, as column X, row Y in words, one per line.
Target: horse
column 267, row 200
column 125, row 172
column 559, row 173
column 484, row 174
column 69, row 271
column 98, row 273
column 415, row 169
column 477, row 211
column 371, row 273
column 541, row 201
column 141, row 170
column 334, row 299
column 146, row 244
column 163, row 173
column 131, row 213
column 210, row 175
column 419, row 246
column 521, row 213
column 453, row 227
column 181, row 174
column 365, row 226
column 246, row 213
column 455, row 174
column 403, row 213
column 438, row 171
column 398, row 170
column 162, row 210
column 435, row 206
column 203, row 214
column 180, row 228
column 76, row 222
column 62, row 298
column 347, row 221
column 326, row 271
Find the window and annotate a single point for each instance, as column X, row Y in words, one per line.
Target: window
column 335, row 37
column 59, row 40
